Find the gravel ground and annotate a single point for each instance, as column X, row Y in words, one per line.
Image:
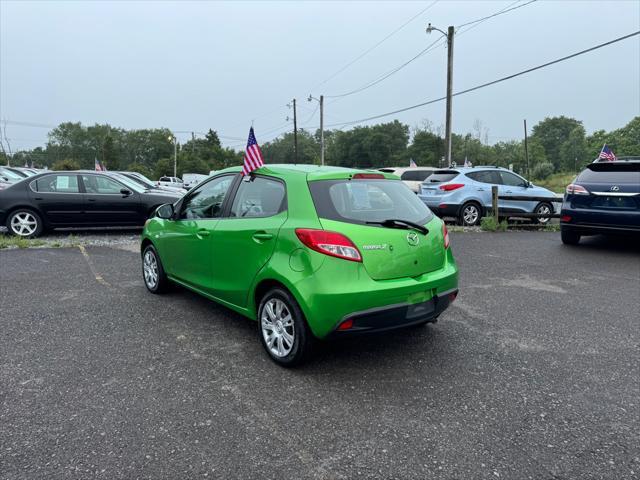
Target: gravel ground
column 533, row 373
column 91, row 237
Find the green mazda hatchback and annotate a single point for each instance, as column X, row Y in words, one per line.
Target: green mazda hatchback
column 309, row 252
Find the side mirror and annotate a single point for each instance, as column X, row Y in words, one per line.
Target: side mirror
column 125, row 192
column 165, row 211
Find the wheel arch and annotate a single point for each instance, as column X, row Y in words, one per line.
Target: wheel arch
column 266, row 283
column 33, row 208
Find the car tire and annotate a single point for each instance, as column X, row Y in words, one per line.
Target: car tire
column 569, row 237
column 25, row 223
column 470, row 214
column 283, row 329
column 153, row 274
column 543, row 208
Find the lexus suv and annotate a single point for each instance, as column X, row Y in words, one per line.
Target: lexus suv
column 603, row 199
column 308, row 252
column 465, row 193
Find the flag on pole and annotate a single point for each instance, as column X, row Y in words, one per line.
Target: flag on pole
column 606, row 154
column 99, row 166
column 252, row 156
column 412, row 164
column 467, row 163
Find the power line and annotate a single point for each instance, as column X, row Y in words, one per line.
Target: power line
column 501, row 12
column 388, row 74
column 619, row 39
column 375, row 46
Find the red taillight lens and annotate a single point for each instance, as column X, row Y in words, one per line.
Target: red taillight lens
column 330, row 243
column 447, row 187
column 565, row 218
column 576, row 189
column 346, row 325
column 445, row 234
column 367, row 175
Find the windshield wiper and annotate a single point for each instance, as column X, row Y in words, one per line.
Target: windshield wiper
column 397, row 222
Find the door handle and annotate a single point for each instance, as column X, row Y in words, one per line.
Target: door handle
column 202, row 233
column 262, row 236
column 508, row 191
column 91, row 199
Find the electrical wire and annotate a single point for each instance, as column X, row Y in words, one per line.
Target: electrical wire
column 478, row 87
column 335, row 74
column 501, row 12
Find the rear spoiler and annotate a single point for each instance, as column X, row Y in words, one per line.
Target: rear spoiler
column 629, row 166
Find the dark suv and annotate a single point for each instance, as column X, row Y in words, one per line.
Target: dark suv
column 603, row 199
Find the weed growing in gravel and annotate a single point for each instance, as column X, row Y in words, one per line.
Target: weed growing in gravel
column 7, row 241
column 489, row 224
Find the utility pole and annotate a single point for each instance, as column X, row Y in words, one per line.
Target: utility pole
column 175, row 154
column 447, row 135
column 450, row 33
column 322, row 130
column 295, row 133
column 526, row 149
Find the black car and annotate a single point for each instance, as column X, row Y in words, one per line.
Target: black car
column 76, row 199
column 603, row 199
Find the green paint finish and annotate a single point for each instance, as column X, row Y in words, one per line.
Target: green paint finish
column 229, row 259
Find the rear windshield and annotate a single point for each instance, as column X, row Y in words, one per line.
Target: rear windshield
column 361, row 201
column 442, row 176
column 415, row 175
column 611, row 173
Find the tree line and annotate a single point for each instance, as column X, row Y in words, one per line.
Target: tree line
column 556, row 144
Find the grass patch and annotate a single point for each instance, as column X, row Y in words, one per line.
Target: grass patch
column 7, row 241
column 552, row 227
column 556, row 182
column 489, row 224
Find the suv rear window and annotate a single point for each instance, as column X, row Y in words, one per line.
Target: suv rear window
column 440, row 176
column 362, row 201
column 611, row 173
column 415, row 175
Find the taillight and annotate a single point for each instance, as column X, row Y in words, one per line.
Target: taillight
column 330, row 243
column 445, row 235
column 565, row 218
column 447, row 187
column 367, row 175
column 576, row 189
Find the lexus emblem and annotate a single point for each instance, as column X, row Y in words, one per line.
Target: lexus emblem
column 413, row 239
column 615, row 188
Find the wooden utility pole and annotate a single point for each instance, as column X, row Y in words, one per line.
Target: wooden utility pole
column 322, row 130
column 295, row 133
column 526, row 149
column 450, row 34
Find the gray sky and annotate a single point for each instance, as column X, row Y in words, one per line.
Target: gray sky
column 198, row 65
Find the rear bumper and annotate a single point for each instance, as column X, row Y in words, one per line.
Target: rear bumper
column 591, row 222
column 443, row 209
column 396, row 316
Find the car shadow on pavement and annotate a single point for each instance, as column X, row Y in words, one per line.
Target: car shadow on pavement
column 610, row 243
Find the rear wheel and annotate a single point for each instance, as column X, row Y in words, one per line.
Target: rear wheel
column 25, row 223
column 155, row 279
column 470, row 214
column 284, row 332
column 543, row 209
column 568, row 237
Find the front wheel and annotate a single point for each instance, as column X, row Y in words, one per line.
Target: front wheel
column 25, row 223
column 284, row 333
column 470, row 214
column 543, row 209
column 152, row 271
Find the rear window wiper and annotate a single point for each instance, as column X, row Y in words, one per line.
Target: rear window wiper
column 397, row 222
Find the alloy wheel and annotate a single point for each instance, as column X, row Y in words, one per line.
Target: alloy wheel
column 150, row 267
column 278, row 329
column 24, row 224
column 543, row 210
column 470, row 214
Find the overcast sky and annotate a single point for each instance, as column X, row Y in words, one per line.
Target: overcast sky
column 190, row 66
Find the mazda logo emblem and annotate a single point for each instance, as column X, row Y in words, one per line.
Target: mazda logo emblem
column 615, row 188
column 413, row 239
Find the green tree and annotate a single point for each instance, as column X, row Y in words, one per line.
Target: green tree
column 144, row 170
column 551, row 133
column 573, row 151
column 66, row 164
column 163, row 167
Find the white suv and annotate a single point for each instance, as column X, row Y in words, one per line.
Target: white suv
column 412, row 176
column 171, row 182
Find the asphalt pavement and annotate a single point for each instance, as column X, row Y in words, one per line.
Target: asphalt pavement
column 533, row 373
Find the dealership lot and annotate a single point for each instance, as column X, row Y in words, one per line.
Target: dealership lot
column 532, row 373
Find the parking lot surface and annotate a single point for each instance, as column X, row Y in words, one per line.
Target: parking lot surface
column 532, row 373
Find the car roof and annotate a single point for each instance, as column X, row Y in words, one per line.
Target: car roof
column 312, row 172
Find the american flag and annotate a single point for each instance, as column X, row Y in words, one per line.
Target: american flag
column 412, row 164
column 606, row 154
column 252, row 156
column 99, row 166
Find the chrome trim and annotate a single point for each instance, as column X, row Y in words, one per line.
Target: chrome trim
column 616, row 194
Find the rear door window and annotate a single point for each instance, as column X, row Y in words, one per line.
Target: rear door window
column 57, row 184
column 259, row 197
column 362, row 201
column 486, row 176
column 440, row 176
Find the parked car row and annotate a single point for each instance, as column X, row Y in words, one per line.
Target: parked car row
column 77, row 199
